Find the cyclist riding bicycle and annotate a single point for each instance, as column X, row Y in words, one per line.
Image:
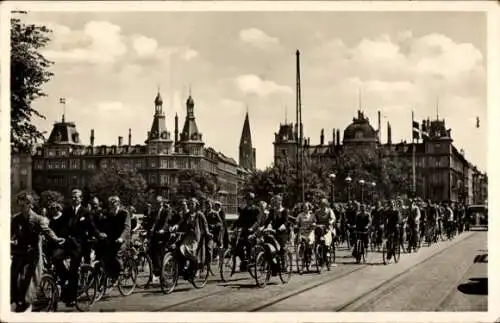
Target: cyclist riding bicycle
column 26, row 229
column 393, row 224
column 248, row 217
column 278, row 220
column 325, row 220
column 362, row 224
column 413, row 221
column 378, row 222
column 305, row 223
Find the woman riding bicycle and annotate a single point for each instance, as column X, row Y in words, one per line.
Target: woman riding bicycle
column 306, row 221
column 195, row 226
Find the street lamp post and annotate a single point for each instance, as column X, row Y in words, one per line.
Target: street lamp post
column 332, row 186
column 348, row 180
column 362, row 183
column 373, row 191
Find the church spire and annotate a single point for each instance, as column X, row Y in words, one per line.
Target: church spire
column 247, row 152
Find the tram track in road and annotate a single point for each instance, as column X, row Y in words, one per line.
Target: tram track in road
column 379, row 287
column 385, row 288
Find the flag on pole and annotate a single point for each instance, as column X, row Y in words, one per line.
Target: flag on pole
column 62, row 100
column 424, row 130
column 416, row 130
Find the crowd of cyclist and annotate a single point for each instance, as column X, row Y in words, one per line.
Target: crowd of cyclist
column 82, row 233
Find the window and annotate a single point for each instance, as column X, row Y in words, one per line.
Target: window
column 39, row 164
column 152, row 162
column 152, row 178
column 139, row 163
column 164, row 163
column 104, row 164
column 74, row 163
column 164, row 179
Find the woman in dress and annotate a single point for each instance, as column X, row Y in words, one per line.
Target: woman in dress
column 195, row 226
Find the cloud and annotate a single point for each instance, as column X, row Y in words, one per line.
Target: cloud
column 258, row 38
column 144, row 46
column 100, row 42
column 188, row 54
column 113, row 106
column 252, row 84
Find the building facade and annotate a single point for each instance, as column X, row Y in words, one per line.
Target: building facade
column 442, row 172
column 64, row 162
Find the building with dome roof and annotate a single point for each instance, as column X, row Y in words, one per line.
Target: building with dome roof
column 63, row 162
column 442, row 171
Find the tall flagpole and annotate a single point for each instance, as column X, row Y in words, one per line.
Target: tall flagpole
column 413, row 157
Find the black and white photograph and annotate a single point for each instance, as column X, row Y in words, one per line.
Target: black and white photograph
column 223, row 158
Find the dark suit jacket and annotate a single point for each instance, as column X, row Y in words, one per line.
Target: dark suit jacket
column 161, row 219
column 117, row 225
column 77, row 226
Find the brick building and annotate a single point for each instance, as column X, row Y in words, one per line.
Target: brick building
column 442, row 172
column 64, row 162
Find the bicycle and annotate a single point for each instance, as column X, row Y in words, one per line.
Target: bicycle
column 361, row 252
column 303, row 252
column 228, row 260
column 391, row 245
column 269, row 261
column 50, row 283
column 143, row 261
column 171, row 266
column 129, row 271
column 325, row 255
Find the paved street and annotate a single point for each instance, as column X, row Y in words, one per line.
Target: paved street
column 443, row 277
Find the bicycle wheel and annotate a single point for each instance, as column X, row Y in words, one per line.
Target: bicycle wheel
column 169, row 273
column 333, row 255
column 144, row 266
column 365, row 252
column 397, row 252
column 226, row 265
column 128, row 277
column 384, row 252
column 47, row 295
column 262, row 268
column 87, row 288
column 286, row 267
column 318, row 257
column 300, row 258
column 200, row 278
column 102, row 280
column 358, row 251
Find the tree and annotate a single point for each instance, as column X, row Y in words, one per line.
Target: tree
column 196, row 183
column 122, row 181
column 49, row 197
column 29, row 70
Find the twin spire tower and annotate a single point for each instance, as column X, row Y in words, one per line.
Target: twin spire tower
column 190, row 139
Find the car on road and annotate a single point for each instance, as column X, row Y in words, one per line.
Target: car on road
column 478, row 214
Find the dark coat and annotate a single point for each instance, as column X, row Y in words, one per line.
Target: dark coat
column 77, row 227
column 117, row 225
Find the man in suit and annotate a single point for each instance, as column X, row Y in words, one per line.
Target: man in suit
column 161, row 215
column 76, row 231
column 116, row 232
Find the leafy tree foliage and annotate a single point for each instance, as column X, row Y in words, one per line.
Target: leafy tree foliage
column 391, row 174
column 196, row 183
column 49, row 197
column 122, row 181
column 28, row 72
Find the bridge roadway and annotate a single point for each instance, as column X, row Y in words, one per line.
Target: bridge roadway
column 442, row 277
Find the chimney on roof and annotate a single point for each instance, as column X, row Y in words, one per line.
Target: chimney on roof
column 129, row 137
column 338, row 137
column 322, row 137
column 92, row 137
column 333, row 137
column 120, row 141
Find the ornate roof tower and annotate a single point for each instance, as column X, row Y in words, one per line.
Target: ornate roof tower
column 159, row 140
column 190, row 141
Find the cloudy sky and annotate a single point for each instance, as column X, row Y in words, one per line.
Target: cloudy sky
column 109, row 65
